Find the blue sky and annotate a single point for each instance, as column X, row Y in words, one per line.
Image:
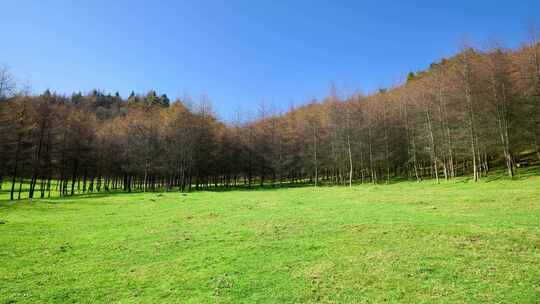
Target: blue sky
column 243, row 52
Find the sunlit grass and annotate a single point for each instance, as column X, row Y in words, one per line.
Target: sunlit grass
column 456, row 242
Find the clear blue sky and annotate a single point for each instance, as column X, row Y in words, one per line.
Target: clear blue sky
column 242, row 52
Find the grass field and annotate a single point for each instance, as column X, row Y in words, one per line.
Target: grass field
column 406, row 242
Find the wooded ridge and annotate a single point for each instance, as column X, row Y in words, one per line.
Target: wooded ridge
column 464, row 115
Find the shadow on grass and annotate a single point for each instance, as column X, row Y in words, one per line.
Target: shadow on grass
column 498, row 174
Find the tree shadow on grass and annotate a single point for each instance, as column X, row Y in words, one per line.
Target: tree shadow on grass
column 65, row 199
column 495, row 175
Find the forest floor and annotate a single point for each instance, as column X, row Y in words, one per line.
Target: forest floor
column 456, row 242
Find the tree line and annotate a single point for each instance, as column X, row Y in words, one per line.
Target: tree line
column 464, row 115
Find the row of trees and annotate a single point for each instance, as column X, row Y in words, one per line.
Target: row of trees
column 463, row 115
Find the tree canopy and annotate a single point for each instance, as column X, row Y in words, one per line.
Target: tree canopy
column 463, row 115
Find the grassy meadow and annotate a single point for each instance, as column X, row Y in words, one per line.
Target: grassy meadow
column 456, row 242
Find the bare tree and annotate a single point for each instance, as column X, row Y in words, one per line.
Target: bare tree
column 7, row 83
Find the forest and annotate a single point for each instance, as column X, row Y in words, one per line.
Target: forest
column 469, row 114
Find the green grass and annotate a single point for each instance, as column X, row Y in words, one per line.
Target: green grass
column 406, row 242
